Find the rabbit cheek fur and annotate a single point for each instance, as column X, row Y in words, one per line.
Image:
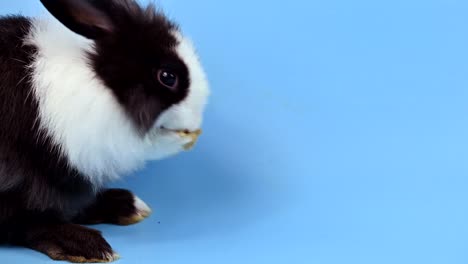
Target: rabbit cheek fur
column 81, row 105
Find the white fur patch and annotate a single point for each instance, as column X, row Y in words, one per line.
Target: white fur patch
column 188, row 114
column 84, row 119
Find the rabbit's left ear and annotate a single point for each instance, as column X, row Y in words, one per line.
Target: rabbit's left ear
column 81, row 16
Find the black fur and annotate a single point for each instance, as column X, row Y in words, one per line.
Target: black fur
column 80, row 16
column 40, row 194
column 66, row 241
column 36, row 184
column 128, row 59
column 113, row 206
column 128, row 56
column 31, row 170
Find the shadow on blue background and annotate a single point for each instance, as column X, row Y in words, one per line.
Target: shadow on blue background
column 336, row 133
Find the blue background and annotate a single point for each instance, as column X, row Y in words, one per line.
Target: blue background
column 337, row 132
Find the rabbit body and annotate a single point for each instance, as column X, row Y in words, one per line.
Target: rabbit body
column 87, row 95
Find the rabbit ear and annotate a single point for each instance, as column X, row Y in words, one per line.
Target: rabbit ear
column 81, row 16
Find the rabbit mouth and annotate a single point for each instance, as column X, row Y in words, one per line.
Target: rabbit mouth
column 192, row 135
column 185, row 134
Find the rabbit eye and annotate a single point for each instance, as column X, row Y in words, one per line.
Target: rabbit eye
column 167, row 79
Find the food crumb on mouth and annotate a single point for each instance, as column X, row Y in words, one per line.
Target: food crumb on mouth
column 192, row 135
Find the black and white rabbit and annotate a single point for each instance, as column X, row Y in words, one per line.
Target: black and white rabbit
column 88, row 95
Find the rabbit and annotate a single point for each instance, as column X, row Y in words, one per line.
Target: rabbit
column 89, row 93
